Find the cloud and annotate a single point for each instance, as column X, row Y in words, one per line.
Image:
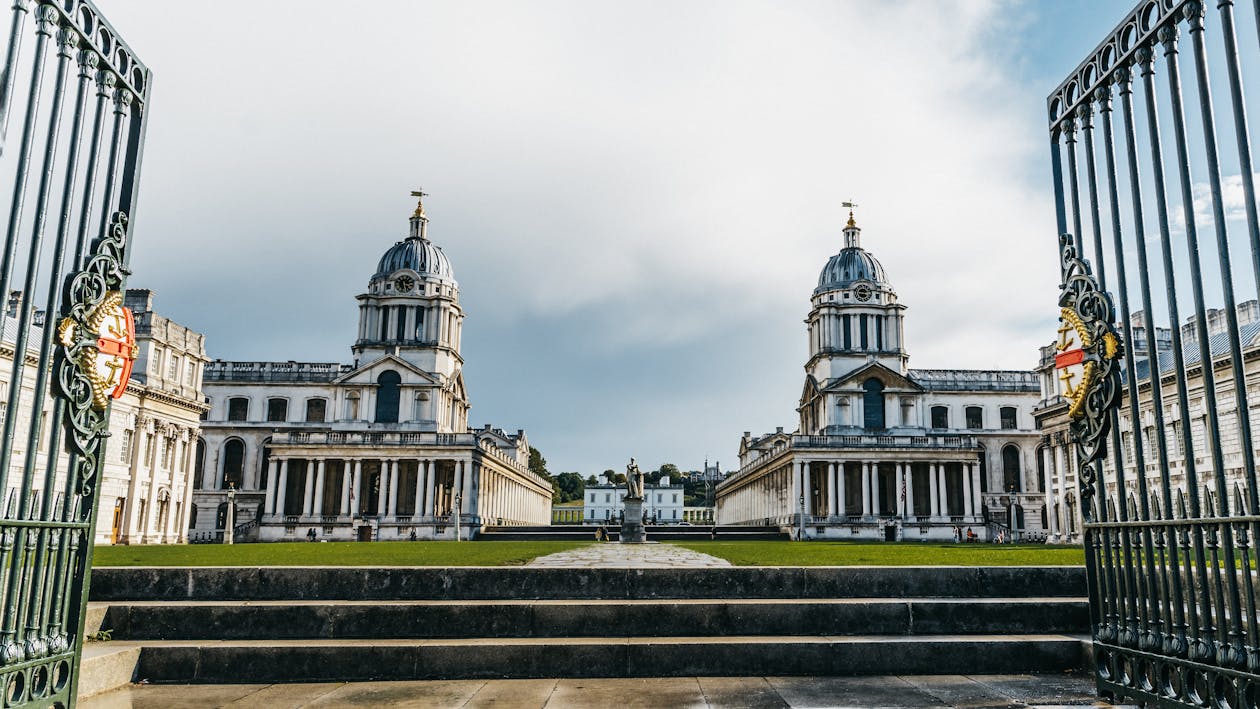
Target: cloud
column 652, row 180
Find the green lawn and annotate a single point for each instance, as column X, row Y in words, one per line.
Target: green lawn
column 332, row 554
column 888, row 554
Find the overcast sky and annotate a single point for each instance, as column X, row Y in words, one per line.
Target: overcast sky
column 637, row 197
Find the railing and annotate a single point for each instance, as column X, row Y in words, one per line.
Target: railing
column 975, row 380
column 220, row 371
column 372, row 438
column 876, row 441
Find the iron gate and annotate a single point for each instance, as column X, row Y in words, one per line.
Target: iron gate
column 1166, row 473
column 80, row 97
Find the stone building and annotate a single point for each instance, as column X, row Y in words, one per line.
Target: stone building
column 146, row 482
column 1057, row 458
column 378, row 449
column 882, row 451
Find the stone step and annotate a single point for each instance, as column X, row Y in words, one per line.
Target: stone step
column 610, row 584
column 249, row 620
column 381, row 659
column 660, row 533
column 107, row 666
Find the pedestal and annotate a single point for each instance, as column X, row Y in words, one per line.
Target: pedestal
column 632, row 531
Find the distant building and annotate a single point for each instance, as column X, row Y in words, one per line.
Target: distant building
column 378, row 449
column 662, row 502
column 146, row 483
column 882, row 451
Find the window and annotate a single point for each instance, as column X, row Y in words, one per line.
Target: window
column 862, row 320
column 419, row 324
column 1011, row 479
column 388, row 392
column 607, row 497
column 1008, row 417
column 124, row 447
column 873, row 403
column 190, row 372
column 277, row 409
column 172, row 368
column 848, row 332
column 940, row 417
column 238, row 409
column 352, row 406
column 316, row 410
column 233, row 463
column 168, row 453
column 975, row 417
column 199, row 465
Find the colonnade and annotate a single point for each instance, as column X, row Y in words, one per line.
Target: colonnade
column 431, row 498
column 1057, row 462
column 793, row 491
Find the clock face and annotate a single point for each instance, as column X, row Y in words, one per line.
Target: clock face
column 863, row 292
column 404, row 284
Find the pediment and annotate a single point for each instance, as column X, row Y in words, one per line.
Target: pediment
column 410, row 373
column 892, row 380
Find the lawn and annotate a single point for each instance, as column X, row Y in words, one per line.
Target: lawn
column 332, row 554
column 768, row 553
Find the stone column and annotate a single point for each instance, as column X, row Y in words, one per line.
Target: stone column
column 1047, row 480
column 975, row 487
column 875, row 491
column 282, row 486
column 900, row 506
column 465, row 486
column 430, row 487
column 933, row 493
column 356, row 488
column 910, row 490
column 395, row 472
column 318, row 506
column 344, row 508
column 382, row 489
column 866, row 489
column 272, row 477
column 802, row 499
column 833, row 490
column 968, row 503
column 840, row 491
column 418, row 508
column 942, row 486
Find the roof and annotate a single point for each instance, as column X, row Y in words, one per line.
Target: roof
column 1218, row 346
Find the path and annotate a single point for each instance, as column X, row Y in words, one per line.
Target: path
column 612, row 555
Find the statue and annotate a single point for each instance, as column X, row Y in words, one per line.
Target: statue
column 634, row 481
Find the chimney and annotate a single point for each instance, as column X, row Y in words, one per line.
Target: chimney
column 15, row 302
column 139, row 300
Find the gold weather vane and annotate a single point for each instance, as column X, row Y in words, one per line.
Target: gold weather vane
column 419, row 194
column 850, row 204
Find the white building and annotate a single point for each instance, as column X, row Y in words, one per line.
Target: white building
column 883, row 451
column 662, row 502
column 374, row 450
column 146, row 483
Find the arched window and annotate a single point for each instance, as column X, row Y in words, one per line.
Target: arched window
column 975, row 417
column 1008, row 415
column 278, row 410
column 316, row 410
column 352, row 406
column 873, row 403
column 238, row 409
column 1010, row 469
column 199, row 466
column 265, row 468
column 940, row 417
column 233, row 463
column 388, row 386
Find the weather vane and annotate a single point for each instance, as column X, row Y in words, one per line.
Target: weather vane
column 850, row 204
column 419, row 194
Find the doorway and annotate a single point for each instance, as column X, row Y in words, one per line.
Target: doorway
column 364, row 533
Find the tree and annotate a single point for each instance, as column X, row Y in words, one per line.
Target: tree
column 569, row 486
column 590, row 480
column 537, row 463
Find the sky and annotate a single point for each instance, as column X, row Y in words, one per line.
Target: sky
column 637, row 197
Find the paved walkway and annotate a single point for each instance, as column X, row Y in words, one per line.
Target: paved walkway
column 614, row 555
column 746, row 692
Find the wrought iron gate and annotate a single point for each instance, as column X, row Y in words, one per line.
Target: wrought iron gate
column 80, row 96
column 1166, row 473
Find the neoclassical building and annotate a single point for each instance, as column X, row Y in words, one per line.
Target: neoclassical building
column 378, row 449
column 1057, row 456
column 883, row 451
column 146, row 483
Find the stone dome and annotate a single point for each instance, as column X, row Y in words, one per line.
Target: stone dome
column 851, row 265
column 417, row 254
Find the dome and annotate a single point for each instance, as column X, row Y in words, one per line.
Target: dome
column 849, row 266
column 417, row 254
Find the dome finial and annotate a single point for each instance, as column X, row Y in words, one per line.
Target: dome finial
column 418, row 219
column 850, row 204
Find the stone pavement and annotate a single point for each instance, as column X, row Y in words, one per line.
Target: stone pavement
column 614, row 555
column 971, row 692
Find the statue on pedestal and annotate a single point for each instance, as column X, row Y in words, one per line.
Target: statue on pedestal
column 634, row 481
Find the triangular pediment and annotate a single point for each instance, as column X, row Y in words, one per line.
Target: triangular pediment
column 891, row 379
column 410, row 373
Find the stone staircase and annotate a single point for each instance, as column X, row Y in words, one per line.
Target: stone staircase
column 232, row 625
column 656, row 533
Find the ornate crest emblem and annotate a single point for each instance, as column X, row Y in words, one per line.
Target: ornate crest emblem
column 107, row 362
column 1078, row 357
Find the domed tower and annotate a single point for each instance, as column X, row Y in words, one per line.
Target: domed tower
column 411, row 308
column 855, row 318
